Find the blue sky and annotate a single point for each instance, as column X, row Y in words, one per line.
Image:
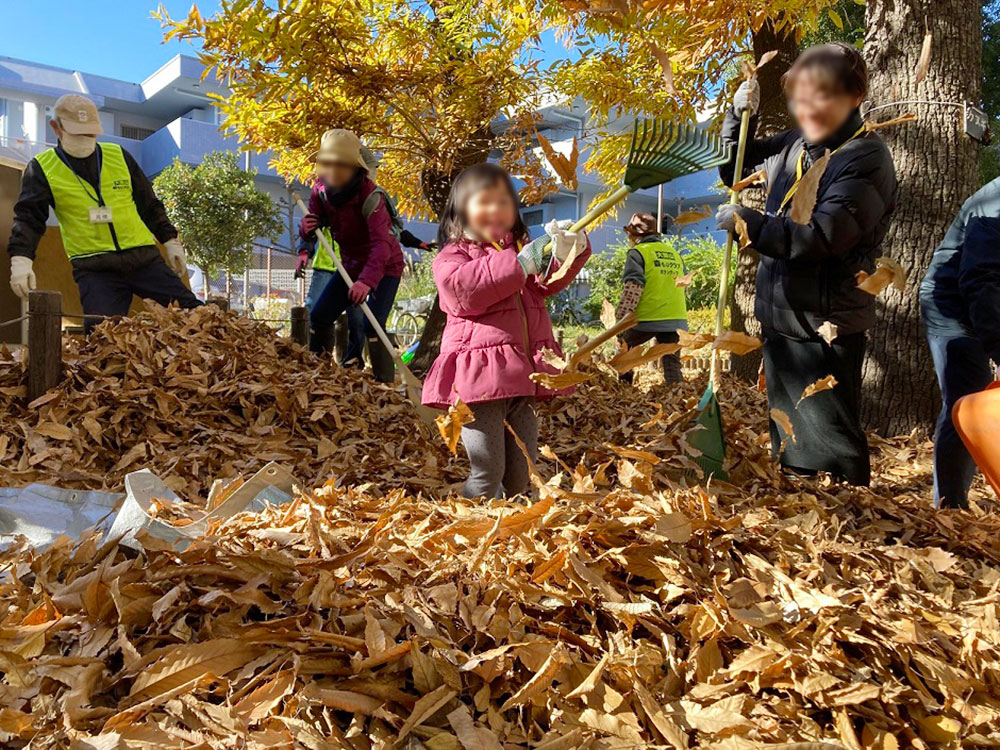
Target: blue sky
column 115, row 38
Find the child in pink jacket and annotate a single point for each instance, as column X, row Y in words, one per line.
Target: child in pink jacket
column 491, row 282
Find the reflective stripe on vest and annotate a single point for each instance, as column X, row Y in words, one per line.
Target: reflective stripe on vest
column 74, row 197
column 322, row 260
column 661, row 298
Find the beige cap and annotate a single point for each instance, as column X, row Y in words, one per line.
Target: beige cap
column 342, row 147
column 641, row 225
column 77, row 115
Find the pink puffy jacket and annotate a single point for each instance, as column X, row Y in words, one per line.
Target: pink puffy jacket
column 497, row 325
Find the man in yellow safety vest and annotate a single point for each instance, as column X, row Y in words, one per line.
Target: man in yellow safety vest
column 651, row 291
column 109, row 217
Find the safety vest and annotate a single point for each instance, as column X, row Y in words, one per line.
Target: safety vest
column 661, row 298
column 74, row 197
column 322, row 260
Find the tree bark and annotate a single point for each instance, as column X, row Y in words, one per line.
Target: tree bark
column 937, row 166
column 773, row 119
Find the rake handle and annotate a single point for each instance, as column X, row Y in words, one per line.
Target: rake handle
column 727, row 259
column 598, row 211
column 408, row 376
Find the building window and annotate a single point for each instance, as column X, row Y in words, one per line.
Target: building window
column 136, row 133
column 533, row 218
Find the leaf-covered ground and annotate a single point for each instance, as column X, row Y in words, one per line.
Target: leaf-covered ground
column 624, row 606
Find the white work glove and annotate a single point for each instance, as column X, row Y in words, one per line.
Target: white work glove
column 176, row 257
column 22, row 277
column 725, row 217
column 563, row 242
column 747, row 97
column 533, row 257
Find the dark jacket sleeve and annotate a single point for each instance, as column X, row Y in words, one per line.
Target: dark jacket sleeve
column 979, row 281
column 150, row 208
column 408, row 239
column 857, row 199
column 635, row 268
column 758, row 149
column 30, row 212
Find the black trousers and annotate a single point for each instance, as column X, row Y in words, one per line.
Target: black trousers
column 671, row 363
column 110, row 292
column 828, row 433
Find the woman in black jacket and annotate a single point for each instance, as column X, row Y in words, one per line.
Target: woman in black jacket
column 807, row 273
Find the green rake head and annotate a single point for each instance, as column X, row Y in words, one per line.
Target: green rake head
column 663, row 151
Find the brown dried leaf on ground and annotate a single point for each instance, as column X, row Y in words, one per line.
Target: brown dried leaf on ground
column 559, row 380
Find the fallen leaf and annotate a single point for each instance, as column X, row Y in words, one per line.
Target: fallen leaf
column 742, row 233
column 608, row 314
column 690, row 340
column 784, row 422
column 804, row 200
column 823, row 384
column 558, row 381
column 637, row 356
column 887, row 272
column 828, row 332
column 738, row 343
column 564, row 166
column 451, row 422
column 686, row 279
column 757, row 178
column 693, row 216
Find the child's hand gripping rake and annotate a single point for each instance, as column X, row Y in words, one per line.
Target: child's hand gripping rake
column 414, row 387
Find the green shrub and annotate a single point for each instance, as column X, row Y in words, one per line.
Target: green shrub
column 418, row 278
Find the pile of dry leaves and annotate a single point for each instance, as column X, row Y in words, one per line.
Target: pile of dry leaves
column 625, row 607
column 205, row 394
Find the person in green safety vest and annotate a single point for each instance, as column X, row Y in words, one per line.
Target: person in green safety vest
column 323, row 272
column 109, row 217
column 651, row 291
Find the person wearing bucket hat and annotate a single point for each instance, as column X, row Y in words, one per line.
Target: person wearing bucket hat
column 364, row 223
column 651, row 291
column 109, row 217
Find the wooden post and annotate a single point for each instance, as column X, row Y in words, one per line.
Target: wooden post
column 44, row 342
column 300, row 325
column 219, row 302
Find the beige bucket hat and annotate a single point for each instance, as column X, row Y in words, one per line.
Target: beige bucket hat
column 77, row 115
column 341, row 146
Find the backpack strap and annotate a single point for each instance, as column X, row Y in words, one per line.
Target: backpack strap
column 372, row 201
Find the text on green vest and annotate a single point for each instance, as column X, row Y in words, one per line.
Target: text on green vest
column 661, row 298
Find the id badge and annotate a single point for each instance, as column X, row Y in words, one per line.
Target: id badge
column 100, row 215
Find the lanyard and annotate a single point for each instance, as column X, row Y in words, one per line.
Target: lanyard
column 800, row 169
column 99, row 199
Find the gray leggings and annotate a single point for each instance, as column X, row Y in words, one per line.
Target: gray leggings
column 498, row 465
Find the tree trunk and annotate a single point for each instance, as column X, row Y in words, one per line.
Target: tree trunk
column 436, row 187
column 937, row 166
column 773, row 119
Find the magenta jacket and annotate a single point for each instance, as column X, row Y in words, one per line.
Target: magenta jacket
column 369, row 249
column 497, row 325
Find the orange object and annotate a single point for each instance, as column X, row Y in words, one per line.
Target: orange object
column 977, row 419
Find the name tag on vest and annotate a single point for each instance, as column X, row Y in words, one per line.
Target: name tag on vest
column 100, row 215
